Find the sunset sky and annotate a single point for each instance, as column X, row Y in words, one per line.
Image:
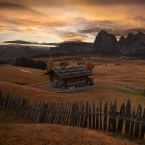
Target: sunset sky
column 62, row 20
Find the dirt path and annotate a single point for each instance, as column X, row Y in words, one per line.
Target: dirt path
column 49, row 87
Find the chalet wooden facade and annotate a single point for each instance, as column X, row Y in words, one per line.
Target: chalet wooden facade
column 66, row 77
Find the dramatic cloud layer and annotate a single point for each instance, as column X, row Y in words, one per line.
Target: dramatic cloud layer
column 61, row 20
column 76, row 2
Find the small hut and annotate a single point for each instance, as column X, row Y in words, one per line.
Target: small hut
column 67, row 77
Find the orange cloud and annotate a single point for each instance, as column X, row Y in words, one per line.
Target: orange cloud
column 76, row 2
column 70, row 20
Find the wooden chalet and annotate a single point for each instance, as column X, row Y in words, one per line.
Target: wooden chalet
column 67, row 77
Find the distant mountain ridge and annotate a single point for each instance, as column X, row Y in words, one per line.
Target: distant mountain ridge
column 14, row 51
column 72, row 47
column 106, row 43
column 134, row 43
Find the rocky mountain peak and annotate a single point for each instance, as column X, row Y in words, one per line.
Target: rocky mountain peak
column 122, row 39
column 140, row 33
column 141, row 36
column 105, row 43
column 132, row 44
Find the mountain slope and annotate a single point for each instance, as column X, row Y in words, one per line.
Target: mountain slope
column 105, row 43
column 133, row 44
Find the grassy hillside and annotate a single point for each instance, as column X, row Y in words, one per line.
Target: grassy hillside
column 14, row 74
column 47, row 134
column 12, row 132
column 6, row 116
column 124, row 70
column 101, row 90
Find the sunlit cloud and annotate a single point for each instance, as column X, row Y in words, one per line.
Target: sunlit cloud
column 76, row 2
column 73, row 36
column 61, row 20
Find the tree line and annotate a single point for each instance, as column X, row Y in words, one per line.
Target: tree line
column 3, row 62
column 6, row 61
column 28, row 62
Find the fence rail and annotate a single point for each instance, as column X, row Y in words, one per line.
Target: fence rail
column 133, row 88
column 80, row 114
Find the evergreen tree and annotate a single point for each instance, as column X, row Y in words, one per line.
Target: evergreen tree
column 27, row 62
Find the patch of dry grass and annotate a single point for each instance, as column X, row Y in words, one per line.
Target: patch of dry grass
column 106, row 92
column 103, row 91
column 128, row 72
column 44, row 134
column 6, row 116
column 14, row 74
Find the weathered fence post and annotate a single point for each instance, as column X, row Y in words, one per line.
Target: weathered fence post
column 29, row 112
column 65, row 113
column 86, row 115
column 90, row 116
column 43, row 112
column 120, row 122
column 132, row 123
column 143, row 126
column 137, row 124
column 105, row 115
column 93, row 116
column 75, row 114
column 128, row 109
column 53, row 113
column 57, row 112
column 79, row 114
column 1, row 97
column 144, row 91
column 72, row 114
column 16, row 102
column 22, row 107
column 110, row 115
column 97, row 117
column 100, row 114
column 113, row 117
column 68, row 114
column 82, row 116
column 49, row 112
column 60, row 113
column 34, row 115
column 7, row 100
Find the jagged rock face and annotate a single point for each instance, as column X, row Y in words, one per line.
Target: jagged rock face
column 105, row 43
column 122, row 40
column 141, row 35
column 132, row 44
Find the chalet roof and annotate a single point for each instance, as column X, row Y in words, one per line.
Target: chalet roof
column 70, row 72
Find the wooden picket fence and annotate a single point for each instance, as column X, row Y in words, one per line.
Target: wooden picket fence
column 80, row 114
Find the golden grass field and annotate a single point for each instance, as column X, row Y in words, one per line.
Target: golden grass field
column 128, row 72
column 47, row 134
